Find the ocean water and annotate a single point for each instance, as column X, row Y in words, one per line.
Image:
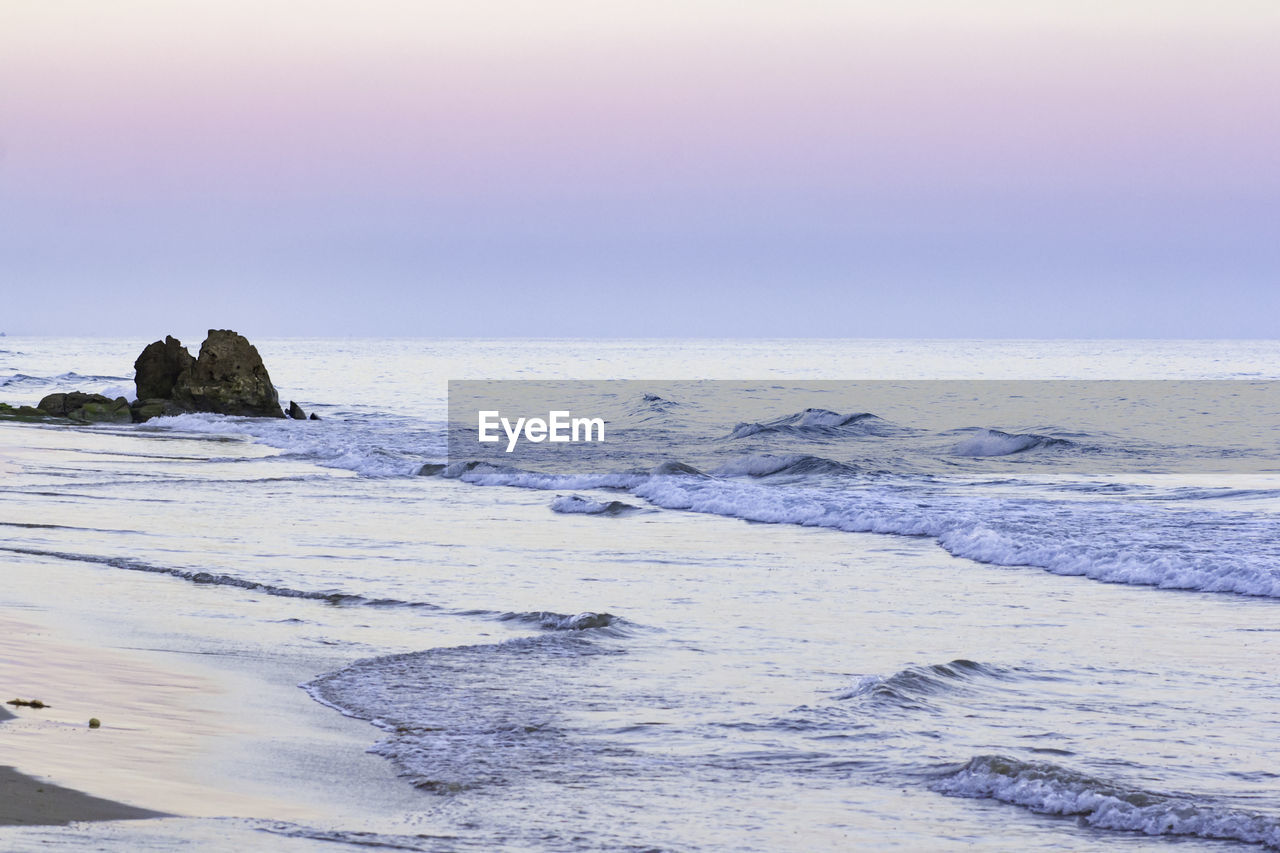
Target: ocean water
column 924, row 627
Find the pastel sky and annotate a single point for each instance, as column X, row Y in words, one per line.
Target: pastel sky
column 917, row 168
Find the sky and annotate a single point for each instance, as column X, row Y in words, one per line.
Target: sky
column 591, row 168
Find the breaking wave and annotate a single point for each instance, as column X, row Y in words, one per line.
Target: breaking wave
column 488, row 717
column 1046, row 788
column 1104, row 541
column 551, row 621
column 767, row 465
column 813, row 422
column 993, row 442
column 383, row 447
column 913, row 683
column 1116, row 541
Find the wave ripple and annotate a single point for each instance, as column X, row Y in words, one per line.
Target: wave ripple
column 1047, row 788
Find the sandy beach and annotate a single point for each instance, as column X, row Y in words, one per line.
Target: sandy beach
column 179, row 737
column 27, row 801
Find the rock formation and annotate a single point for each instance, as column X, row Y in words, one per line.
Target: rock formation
column 157, row 369
column 90, row 408
column 22, row 413
column 227, row 378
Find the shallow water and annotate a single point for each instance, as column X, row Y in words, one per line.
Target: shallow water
column 548, row 671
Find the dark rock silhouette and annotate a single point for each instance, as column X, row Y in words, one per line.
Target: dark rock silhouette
column 228, row 378
column 61, row 405
column 157, row 369
column 28, row 414
column 89, row 408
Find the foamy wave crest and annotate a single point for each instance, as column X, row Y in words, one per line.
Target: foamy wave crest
column 767, row 464
column 550, row 621
column 391, row 447
column 1115, row 560
column 993, row 442
column 571, row 504
column 1095, row 541
column 474, row 716
column 913, row 683
column 1143, row 546
column 1047, row 788
column 812, row 422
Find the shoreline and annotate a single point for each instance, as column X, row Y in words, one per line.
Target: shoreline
column 28, row 801
column 182, row 735
column 198, row 720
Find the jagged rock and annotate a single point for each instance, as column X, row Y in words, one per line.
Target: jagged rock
column 228, row 378
column 90, row 408
column 157, row 369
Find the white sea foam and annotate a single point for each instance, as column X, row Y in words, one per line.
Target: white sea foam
column 371, row 449
column 1092, row 540
column 1102, row 541
column 1046, row 788
column 1115, row 541
column 116, row 390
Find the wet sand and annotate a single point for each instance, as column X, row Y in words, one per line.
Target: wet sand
column 183, row 732
column 27, row 801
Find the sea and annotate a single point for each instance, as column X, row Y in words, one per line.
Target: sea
column 850, row 615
